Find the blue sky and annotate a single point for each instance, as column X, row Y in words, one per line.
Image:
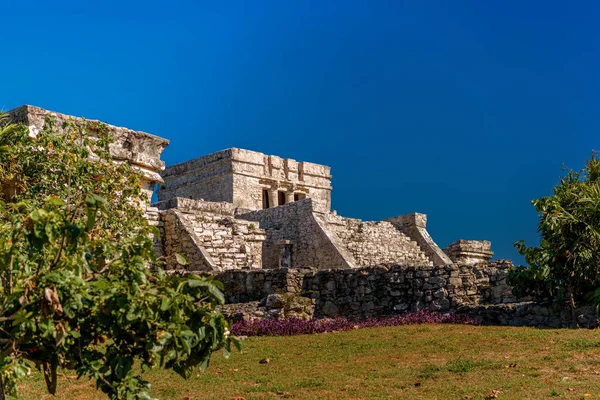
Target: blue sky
column 464, row 111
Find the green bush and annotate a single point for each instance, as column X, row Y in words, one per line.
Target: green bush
column 566, row 264
column 78, row 269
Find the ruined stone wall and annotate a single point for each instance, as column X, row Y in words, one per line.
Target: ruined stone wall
column 469, row 251
column 325, row 240
column 414, row 226
column 530, row 313
column 377, row 291
column 140, row 149
column 384, row 290
column 376, row 243
column 240, row 177
column 180, row 239
column 294, row 225
column 255, row 172
column 247, row 286
column 483, row 283
column 206, row 178
column 209, row 235
column 153, row 216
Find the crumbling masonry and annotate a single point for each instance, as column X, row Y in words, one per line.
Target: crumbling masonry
column 264, row 226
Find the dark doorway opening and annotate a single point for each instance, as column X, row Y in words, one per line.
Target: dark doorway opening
column 265, row 198
column 280, row 198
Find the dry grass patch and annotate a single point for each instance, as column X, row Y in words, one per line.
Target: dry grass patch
column 406, row 362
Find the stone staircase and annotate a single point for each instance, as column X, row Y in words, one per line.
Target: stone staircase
column 376, row 243
column 209, row 236
column 226, row 240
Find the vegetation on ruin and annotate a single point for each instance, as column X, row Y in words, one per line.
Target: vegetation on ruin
column 80, row 285
column 566, row 264
column 426, row 361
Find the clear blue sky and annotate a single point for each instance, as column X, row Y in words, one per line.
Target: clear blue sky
column 463, row 110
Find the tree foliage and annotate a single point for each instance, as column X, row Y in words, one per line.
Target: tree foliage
column 81, row 287
column 566, row 264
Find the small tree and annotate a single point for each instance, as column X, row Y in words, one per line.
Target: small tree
column 566, row 264
column 81, row 287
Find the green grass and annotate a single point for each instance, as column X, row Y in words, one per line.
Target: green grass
column 408, row 362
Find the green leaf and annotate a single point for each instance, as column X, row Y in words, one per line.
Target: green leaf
column 165, row 303
column 181, row 260
column 237, row 343
column 212, row 289
column 56, row 201
column 38, row 215
column 90, row 201
column 164, row 337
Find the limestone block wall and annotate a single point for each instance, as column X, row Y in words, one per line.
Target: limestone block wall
column 140, row 149
column 206, row 178
column 245, row 286
column 295, row 225
column 530, row 313
column 378, row 291
column 477, row 290
column 415, row 226
column 325, row 240
column 469, row 251
column 209, row 235
column 375, row 243
column 154, row 219
column 248, row 179
column 255, row 173
column 180, row 239
column 385, row 290
column 484, row 282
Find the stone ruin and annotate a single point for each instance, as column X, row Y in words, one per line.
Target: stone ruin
column 240, row 209
column 263, row 225
column 140, row 149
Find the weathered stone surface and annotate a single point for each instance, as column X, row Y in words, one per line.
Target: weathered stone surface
column 209, row 236
column 242, row 286
column 374, row 243
column 326, row 240
column 469, row 251
column 530, row 313
column 248, row 179
column 296, row 222
column 387, row 290
column 373, row 291
column 140, row 149
column 414, row 226
column 274, row 306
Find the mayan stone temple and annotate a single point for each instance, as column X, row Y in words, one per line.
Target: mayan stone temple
column 263, row 225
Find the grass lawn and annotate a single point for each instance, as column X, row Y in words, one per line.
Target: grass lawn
column 406, row 362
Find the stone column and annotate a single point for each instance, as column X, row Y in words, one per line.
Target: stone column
column 289, row 197
column 273, row 198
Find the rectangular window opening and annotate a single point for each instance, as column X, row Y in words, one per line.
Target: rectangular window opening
column 299, row 196
column 265, row 199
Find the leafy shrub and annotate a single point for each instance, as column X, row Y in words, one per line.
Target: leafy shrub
column 78, row 269
column 566, row 264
